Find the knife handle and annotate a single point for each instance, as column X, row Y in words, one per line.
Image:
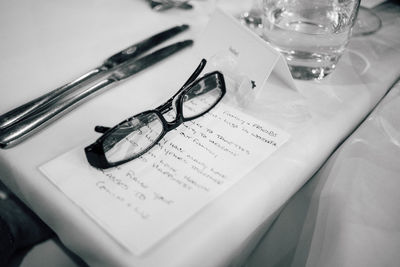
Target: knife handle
column 17, row 114
column 18, row 132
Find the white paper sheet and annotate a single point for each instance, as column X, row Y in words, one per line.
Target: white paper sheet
column 141, row 202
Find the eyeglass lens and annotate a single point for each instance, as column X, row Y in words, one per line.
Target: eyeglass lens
column 201, row 97
column 133, row 137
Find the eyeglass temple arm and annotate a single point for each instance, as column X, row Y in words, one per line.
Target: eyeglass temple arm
column 167, row 105
column 101, row 129
column 195, row 74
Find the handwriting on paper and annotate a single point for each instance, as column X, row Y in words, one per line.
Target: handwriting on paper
column 151, row 196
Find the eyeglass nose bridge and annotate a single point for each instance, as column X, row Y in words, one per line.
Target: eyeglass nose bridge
column 173, row 124
column 175, row 104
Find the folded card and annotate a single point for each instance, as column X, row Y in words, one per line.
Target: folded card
column 241, row 54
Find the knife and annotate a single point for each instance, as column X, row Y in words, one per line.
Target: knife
column 18, row 132
column 130, row 52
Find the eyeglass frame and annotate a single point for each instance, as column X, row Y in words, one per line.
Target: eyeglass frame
column 95, row 153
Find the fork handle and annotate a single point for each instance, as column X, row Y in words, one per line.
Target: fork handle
column 17, row 114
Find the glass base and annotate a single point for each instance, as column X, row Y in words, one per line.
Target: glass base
column 306, row 65
column 367, row 22
column 310, row 73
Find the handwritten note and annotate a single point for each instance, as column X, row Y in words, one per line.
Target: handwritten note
column 144, row 200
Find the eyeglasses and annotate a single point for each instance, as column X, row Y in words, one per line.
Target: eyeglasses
column 135, row 136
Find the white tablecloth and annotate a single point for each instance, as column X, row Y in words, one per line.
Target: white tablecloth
column 348, row 213
column 47, row 43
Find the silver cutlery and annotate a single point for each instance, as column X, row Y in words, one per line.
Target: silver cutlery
column 22, row 122
column 133, row 51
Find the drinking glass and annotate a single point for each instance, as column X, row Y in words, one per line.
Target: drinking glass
column 311, row 34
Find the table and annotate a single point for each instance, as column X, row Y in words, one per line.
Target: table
column 48, row 43
column 347, row 213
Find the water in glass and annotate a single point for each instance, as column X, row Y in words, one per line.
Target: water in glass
column 311, row 36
